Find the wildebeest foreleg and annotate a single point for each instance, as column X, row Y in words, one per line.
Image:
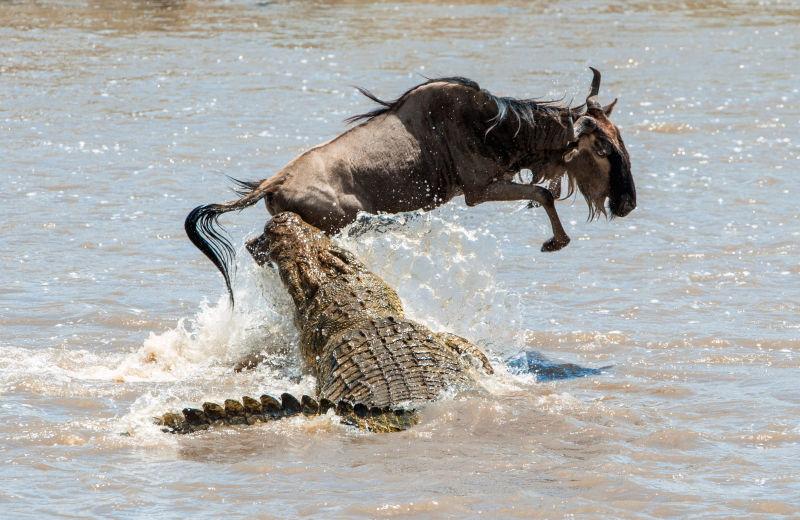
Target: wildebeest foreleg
column 507, row 190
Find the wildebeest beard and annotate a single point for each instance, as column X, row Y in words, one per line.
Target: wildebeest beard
column 622, row 196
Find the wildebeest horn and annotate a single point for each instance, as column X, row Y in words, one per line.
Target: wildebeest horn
column 591, row 99
column 584, row 125
column 578, row 110
column 595, row 82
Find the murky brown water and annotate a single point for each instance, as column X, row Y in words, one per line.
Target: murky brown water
column 116, row 118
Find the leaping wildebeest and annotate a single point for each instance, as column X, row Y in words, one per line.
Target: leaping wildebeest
column 442, row 138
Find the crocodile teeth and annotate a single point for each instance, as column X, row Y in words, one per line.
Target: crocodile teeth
column 310, row 406
column 290, row 404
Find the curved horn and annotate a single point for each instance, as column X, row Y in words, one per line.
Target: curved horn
column 578, row 110
column 584, row 125
column 595, row 82
column 591, row 99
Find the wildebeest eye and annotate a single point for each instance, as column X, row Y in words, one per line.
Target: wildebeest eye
column 601, row 150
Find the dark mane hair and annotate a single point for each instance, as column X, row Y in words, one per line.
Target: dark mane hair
column 523, row 110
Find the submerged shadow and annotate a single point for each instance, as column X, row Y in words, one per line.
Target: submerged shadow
column 536, row 363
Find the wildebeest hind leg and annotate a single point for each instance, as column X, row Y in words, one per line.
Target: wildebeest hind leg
column 506, row 190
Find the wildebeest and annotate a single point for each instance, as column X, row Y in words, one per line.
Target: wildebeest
column 442, row 138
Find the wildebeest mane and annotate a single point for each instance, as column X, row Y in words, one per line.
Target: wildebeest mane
column 524, row 110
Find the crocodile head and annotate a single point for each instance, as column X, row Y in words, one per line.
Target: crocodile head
column 305, row 257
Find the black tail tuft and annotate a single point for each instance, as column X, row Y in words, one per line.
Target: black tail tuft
column 205, row 232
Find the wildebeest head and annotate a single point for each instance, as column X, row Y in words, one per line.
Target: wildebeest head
column 598, row 161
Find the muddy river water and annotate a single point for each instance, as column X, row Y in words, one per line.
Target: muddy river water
column 117, row 118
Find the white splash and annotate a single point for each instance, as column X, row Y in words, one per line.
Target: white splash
column 444, row 273
column 217, row 335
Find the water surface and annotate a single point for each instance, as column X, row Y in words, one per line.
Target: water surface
column 117, row 118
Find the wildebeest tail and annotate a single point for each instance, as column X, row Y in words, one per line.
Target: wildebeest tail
column 243, row 188
column 205, row 232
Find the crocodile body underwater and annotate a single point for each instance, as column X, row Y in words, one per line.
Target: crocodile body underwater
column 370, row 362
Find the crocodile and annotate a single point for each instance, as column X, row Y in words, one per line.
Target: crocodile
column 370, row 362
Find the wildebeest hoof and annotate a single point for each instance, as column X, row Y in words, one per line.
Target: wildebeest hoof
column 554, row 245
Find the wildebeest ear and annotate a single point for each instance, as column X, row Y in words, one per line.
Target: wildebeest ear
column 610, row 107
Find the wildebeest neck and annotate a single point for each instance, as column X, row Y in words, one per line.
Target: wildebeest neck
column 518, row 132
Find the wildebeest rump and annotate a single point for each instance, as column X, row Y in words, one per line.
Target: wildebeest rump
column 443, row 138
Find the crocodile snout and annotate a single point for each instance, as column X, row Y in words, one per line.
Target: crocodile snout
column 259, row 249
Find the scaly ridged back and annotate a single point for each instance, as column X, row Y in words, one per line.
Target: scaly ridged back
column 388, row 361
